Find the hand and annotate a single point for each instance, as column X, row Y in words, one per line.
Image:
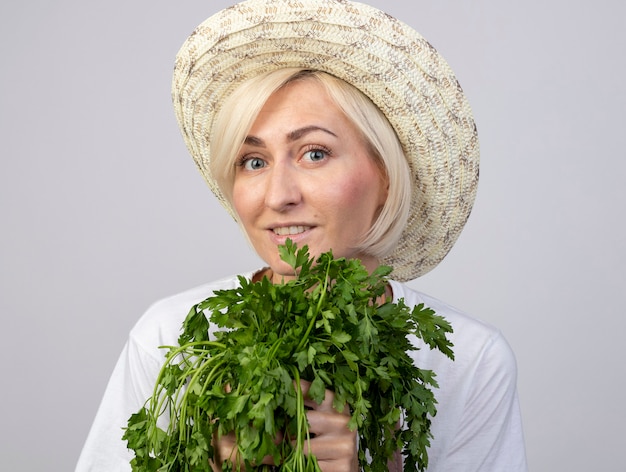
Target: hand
column 334, row 445
column 226, row 449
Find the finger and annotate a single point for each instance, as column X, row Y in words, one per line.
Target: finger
column 334, row 451
column 226, row 450
column 328, row 448
column 324, row 422
column 326, row 405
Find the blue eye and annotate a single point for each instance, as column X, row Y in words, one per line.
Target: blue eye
column 253, row 163
column 315, row 155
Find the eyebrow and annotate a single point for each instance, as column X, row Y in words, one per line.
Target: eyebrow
column 291, row 136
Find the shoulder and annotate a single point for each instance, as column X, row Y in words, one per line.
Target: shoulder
column 480, row 349
column 478, row 425
column 161, row 324
column 452, row 314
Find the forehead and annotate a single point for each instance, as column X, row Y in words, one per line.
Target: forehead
column 301, row 93
column 302, row 102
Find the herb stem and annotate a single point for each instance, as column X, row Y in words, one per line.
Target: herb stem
column 318, row 307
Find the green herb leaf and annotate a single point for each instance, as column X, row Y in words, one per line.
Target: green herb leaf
column 329, row 326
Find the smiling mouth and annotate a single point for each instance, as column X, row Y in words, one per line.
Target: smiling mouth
column 290, row 230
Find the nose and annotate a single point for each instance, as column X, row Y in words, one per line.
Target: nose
column 282, row 187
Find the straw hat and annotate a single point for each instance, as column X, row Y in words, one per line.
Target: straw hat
column 384, row 58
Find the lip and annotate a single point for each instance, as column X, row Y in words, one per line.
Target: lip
column 294, row 231
column 290, row 230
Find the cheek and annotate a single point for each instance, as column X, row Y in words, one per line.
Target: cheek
column 353, row 194
column 242, row 200
column 360, row 197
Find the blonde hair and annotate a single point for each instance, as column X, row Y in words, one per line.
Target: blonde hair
column 241, row 108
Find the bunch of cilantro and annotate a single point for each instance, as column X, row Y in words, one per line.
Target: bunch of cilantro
column 327, row 326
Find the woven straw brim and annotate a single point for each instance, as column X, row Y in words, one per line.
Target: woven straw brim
column 384, row 58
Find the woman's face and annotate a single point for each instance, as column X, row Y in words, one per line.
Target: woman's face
column 305, row 173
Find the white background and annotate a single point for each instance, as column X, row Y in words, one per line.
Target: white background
column 103, row 212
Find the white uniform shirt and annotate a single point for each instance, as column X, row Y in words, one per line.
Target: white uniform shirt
column 477, row 427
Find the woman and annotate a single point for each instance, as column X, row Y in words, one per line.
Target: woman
column 334, row 125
